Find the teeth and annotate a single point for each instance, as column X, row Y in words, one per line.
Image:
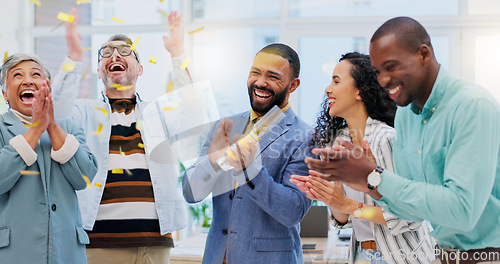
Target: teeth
column 394, row 90
column 260, row 94
column 117, row 67
column 23, row 93
column 331, row 100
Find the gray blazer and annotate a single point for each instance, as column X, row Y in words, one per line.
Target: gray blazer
column 39, row 217
column 259, row 222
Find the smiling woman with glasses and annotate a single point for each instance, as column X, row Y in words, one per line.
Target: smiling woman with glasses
column 123, row 50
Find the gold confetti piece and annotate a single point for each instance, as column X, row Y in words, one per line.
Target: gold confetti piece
column 129, row 173
column 98, row 184
column 84, row 2
column 101, row 20
column 87, row 70
column 87, row 181
column 87, row 48
column 117, row 171
column 171, row 106
column 121, row 151
column 104, row 111
column 163, row 13
column 65, row 17
column 185, row 63
column 116, row 19
column 99, row 130
column 29, row 172
column 68, row 66
column 152, row 59
column 32, row 125
column 56, row 27
column 134, row 45
column 140, row 145
column 196, row 30
column 170, row 86
column 139, row 125
column 37, row 2
column 120, row 87
column 6, row 56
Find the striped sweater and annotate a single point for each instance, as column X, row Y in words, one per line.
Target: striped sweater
column 127, row 215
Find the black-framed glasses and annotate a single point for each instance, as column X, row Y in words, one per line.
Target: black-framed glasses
column 123, row 50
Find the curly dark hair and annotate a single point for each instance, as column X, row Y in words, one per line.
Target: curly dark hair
column 376, row 100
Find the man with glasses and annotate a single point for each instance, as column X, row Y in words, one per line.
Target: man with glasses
column 133, row 204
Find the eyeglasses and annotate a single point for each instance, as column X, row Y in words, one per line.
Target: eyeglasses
column 123, row 50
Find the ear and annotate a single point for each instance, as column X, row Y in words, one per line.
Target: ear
column 425, row 53
column 139, row 70
column 99, row 73
column 358, row 95
column 5, row 96
column 294, row 84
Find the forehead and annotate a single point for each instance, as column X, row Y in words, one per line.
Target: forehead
column 115, row 43
column 270, row 62
column 26, row 65
column 386, row 48
column 343, row 69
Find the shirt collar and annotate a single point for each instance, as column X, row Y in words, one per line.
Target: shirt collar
column 254, row 116
column 436, row 96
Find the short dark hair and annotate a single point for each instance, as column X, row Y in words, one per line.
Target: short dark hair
column 409, row 32
column 285, row 52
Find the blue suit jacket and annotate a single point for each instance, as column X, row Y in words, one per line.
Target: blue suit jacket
column 259, row 222
column 39, row 217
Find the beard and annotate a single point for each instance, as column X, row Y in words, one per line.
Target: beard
column 277, row 99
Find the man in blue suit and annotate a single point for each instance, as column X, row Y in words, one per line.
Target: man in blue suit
column 257, row 210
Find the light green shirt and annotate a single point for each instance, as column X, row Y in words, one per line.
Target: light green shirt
column 447, row 162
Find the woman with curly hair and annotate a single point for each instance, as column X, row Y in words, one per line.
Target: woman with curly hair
column 358, row 110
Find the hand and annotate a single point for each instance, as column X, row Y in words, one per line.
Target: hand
column 347, row 163
column 331, row 193
column 175, row 43
column 220, row 142
column 245, row 156
column 301, row 183
column 73, row 39
column 40, row 110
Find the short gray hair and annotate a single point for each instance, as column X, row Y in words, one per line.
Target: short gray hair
column 14, row 60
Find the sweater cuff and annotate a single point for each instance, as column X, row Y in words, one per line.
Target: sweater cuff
column 24, row 149
column 67, row 150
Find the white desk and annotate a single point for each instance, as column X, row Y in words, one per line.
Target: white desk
column 328, row 250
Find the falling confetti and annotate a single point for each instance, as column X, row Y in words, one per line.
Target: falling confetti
column 99, row 130
column 32, row 125
column 185, row 63
column 98, row 184
column 120, row 87
column 152, row 59
column 196, row 30
column 116, row 20
column 171, row 107
column 129, row 173
column 121, row 152
column 65, row 17
column 117, row 171
column 101, row 20
column 134, row 45
column 28, row 172
column 68, row 66
column 36, row 2
column 104, row 111
column 170, row 86
column 163, row 13
column 6, row 56
column 58, row 25
column 140, row 145
column 139, row 125
column 87, row 48
column 87, row 181
column 84, row 2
